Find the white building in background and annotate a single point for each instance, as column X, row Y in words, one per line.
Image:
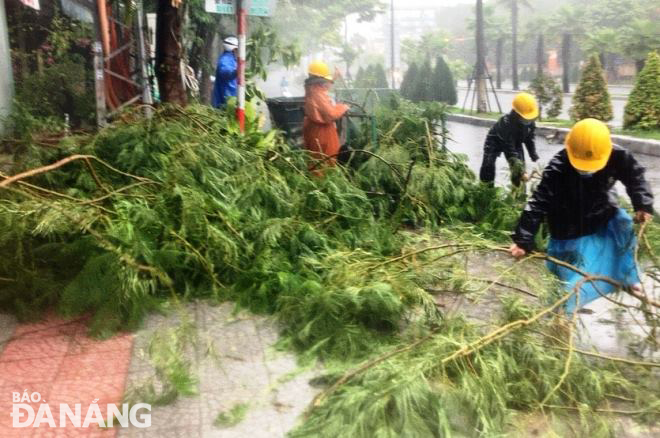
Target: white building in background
column 6, row 76
column 410, row 22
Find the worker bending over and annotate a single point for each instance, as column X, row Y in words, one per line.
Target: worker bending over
column 508, row 135
column 587, row 227
column 319, row 128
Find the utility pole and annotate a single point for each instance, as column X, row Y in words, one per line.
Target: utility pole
column 6, row 78
column 392, row 42
column 514, row 44
column 481, row 61
column 241, row 21
column 566, row 62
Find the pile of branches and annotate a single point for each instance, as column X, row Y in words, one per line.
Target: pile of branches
column 183, row 205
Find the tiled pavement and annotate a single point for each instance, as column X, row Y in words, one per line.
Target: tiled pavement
column 56, row 359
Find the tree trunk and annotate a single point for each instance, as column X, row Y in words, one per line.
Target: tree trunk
column 205, row 84
column 612, row 72
column 514, row 44
column 566, row 62
column 481, row 60
column 498, row 61
column 540, row 55
column 169, row 26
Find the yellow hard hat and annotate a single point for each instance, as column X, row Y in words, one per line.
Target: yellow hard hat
column 525, row 105
column 320, row 69
column 589, row 145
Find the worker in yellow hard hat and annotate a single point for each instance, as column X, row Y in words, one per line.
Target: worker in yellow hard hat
column 321, row 113
column 507, row 136
column 587, row 227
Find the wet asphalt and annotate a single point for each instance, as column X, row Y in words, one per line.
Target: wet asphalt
column 467, row 139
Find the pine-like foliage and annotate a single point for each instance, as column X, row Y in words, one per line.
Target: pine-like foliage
column 591, row 98
column 381, row 76
column 373, row 76
column 211, row 213
column 643, row 107
column 548, row 95
column 443, row 88
column 184, row 205
column 359, row 78
column 409, row 78
column 421, row 88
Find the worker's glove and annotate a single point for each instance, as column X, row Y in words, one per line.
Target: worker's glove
column 642, row 216
column 534, row 157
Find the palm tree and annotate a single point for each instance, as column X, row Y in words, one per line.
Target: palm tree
column 481, row 60
column 567, row 22
column 513, row 4
column 602, row 41
column 348, row 54
column 536, row 29
column 638, row 39
column 494, row 30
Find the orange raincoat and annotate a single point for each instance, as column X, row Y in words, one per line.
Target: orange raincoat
column 319, row 129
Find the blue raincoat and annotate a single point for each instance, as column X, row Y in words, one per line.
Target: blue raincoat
column 609, row 252
column 225, row 79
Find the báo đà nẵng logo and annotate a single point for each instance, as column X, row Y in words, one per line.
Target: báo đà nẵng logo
column 24, row 414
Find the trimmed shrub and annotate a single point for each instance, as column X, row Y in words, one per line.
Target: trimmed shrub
column 591, row 98
column 408, row 81
column 443, row 88
column 643, row 106
column 421, row 90
column 547, row 92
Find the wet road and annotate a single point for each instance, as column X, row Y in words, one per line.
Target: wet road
column 468, row 140
column 506, row 98
column 607, row 327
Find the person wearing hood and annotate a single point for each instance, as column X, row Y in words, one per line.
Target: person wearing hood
column 507, row 136
column 587, row 227
column 319, row 128
column 225, row 73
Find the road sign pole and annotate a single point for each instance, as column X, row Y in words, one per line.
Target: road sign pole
column 241, row 20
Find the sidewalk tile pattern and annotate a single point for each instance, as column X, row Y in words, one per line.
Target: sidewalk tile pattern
column 57, row 359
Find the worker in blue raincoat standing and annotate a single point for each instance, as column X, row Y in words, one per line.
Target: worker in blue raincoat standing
column 225, row 73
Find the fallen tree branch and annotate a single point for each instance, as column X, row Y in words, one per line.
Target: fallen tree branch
column 318, row 400
column 571, row 347
column 419, row 251
column 56, row 165
column 39, row 170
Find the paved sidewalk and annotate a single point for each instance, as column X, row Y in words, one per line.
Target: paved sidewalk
column 56, row 358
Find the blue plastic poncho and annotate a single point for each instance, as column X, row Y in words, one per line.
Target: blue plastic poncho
column 609, row 252
column 225, row 79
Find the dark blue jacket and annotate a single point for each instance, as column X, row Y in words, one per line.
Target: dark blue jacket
column 225, row 79
column 576, row 206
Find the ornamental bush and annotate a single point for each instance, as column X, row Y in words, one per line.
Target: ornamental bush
column 548, row 95
column 443, row 88
column 408, row 81
column 591, row 98
column 643, row 106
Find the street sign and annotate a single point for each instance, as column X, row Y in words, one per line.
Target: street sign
column 255, row 8
column 34, row 4
column 220, row 6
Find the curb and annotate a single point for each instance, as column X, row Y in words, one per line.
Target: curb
column 504, row 91
column 633, row 144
